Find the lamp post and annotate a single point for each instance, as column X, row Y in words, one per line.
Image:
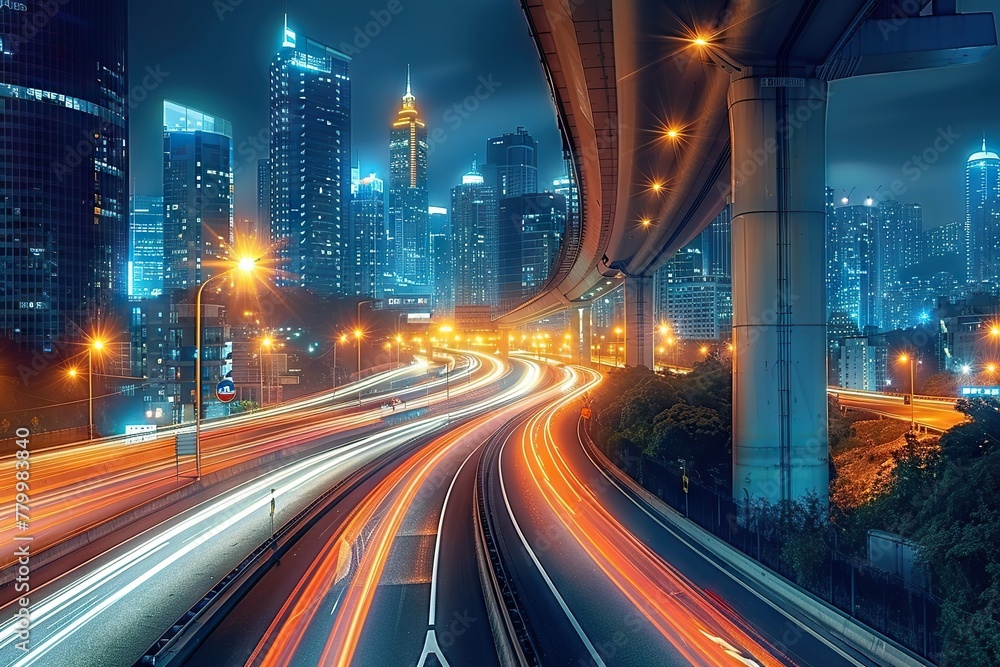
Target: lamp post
column 245, row 265
column 618, row 344
column 399, row 341
column 357, row 338
column 908, row 359
column 265, row 342
column 664, row 330
column 342, row 339
column 600, row 348
column 94, row 344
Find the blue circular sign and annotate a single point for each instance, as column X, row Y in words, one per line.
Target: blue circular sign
column 225, row 391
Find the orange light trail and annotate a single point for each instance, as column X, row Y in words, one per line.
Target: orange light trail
column 683, row 614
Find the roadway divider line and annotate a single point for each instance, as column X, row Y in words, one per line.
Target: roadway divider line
column 852, row 632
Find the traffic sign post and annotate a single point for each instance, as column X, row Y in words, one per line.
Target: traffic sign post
column 225, row 391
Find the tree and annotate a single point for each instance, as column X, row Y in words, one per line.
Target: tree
column 691, row 432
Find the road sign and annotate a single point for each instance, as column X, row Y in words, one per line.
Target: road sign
column 685, row 480
column 225, row 391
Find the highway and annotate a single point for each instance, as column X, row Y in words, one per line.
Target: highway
column 78, row 486
column 399, row 563
column 934, row 414
column 603, row 581
column 161, row 572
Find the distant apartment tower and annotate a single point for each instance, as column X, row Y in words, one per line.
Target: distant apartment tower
column 310, row 163
column 531, row 228
column 442, row 261
column 408, row 194
column 474, row 241
column 145, row 248
column 716, row 245
column 366, row 233
column 566, row 186
column 197, row 195
column 696, row 306
column 863, row 362
column 852, row 267
column 898, row 249
column 944, row 240
column 511, row 167
column 982, row 219
column 63, row 168
column 263, row 229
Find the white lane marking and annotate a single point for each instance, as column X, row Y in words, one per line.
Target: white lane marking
column 541, row 570
column 431, row 646
column 719, row 567
column 432, row 608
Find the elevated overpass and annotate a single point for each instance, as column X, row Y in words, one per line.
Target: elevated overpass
column 671, row 108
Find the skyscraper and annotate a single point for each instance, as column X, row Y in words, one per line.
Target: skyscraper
column 716, row 245
column 946, row 239
column 197, row 195
column 366, row 234
column 263, row 228
column 511, row 167
column 531, row 227
column 695, row 305
column 145, row 248
column 898, row 249
column 63, row 169
column 474, row 240
column 982, row 219
column 566, row 186
column 408, row 194
column 852, row 267
column 442, row 261
column 310, row 162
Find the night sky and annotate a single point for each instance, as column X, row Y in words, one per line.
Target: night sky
column 220, row 65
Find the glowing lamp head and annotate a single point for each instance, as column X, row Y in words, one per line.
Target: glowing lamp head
column 246, row 264
column 657, row 186
column 704, row 349
column 646, row 222
column 72, row 372
column 700, row 40
column 672, row 133
column 966, row 369
column 844, row 201
column 995, row 330
column 266, row 342
column 869, row 201
column 904, row 358
column 97, row 344
column 357, row 333
column 992, row 368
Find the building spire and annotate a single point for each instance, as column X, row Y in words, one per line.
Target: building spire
column 408, row 98
column 984, row 141
column 411, row 94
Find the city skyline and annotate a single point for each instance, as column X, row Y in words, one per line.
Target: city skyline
column 872, row 150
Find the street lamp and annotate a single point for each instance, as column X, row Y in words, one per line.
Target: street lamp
column 245, row 265
column 599, row 347
column 357, row 337
column 907, row 359
column 94, row 344
column 342, row 339
column 618, row 331
column 265, row 342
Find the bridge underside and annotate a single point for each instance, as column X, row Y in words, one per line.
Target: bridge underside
column 664, row 129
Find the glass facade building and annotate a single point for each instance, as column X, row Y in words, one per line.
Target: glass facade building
column 409, row 230
column 145, row 248
column 474, row 241
column 531, row 229
column 366, row 234
column 511, row 167
column 982, row 220
column 63, row 169
column 197, row 195
column 310, row 164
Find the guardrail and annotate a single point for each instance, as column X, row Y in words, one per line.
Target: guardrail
column 178, row 643
column 510, row 627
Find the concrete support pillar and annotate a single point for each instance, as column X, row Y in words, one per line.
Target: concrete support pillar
column 639, row 324
column 580, row 336
column 503, row 343
column 778, row 127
